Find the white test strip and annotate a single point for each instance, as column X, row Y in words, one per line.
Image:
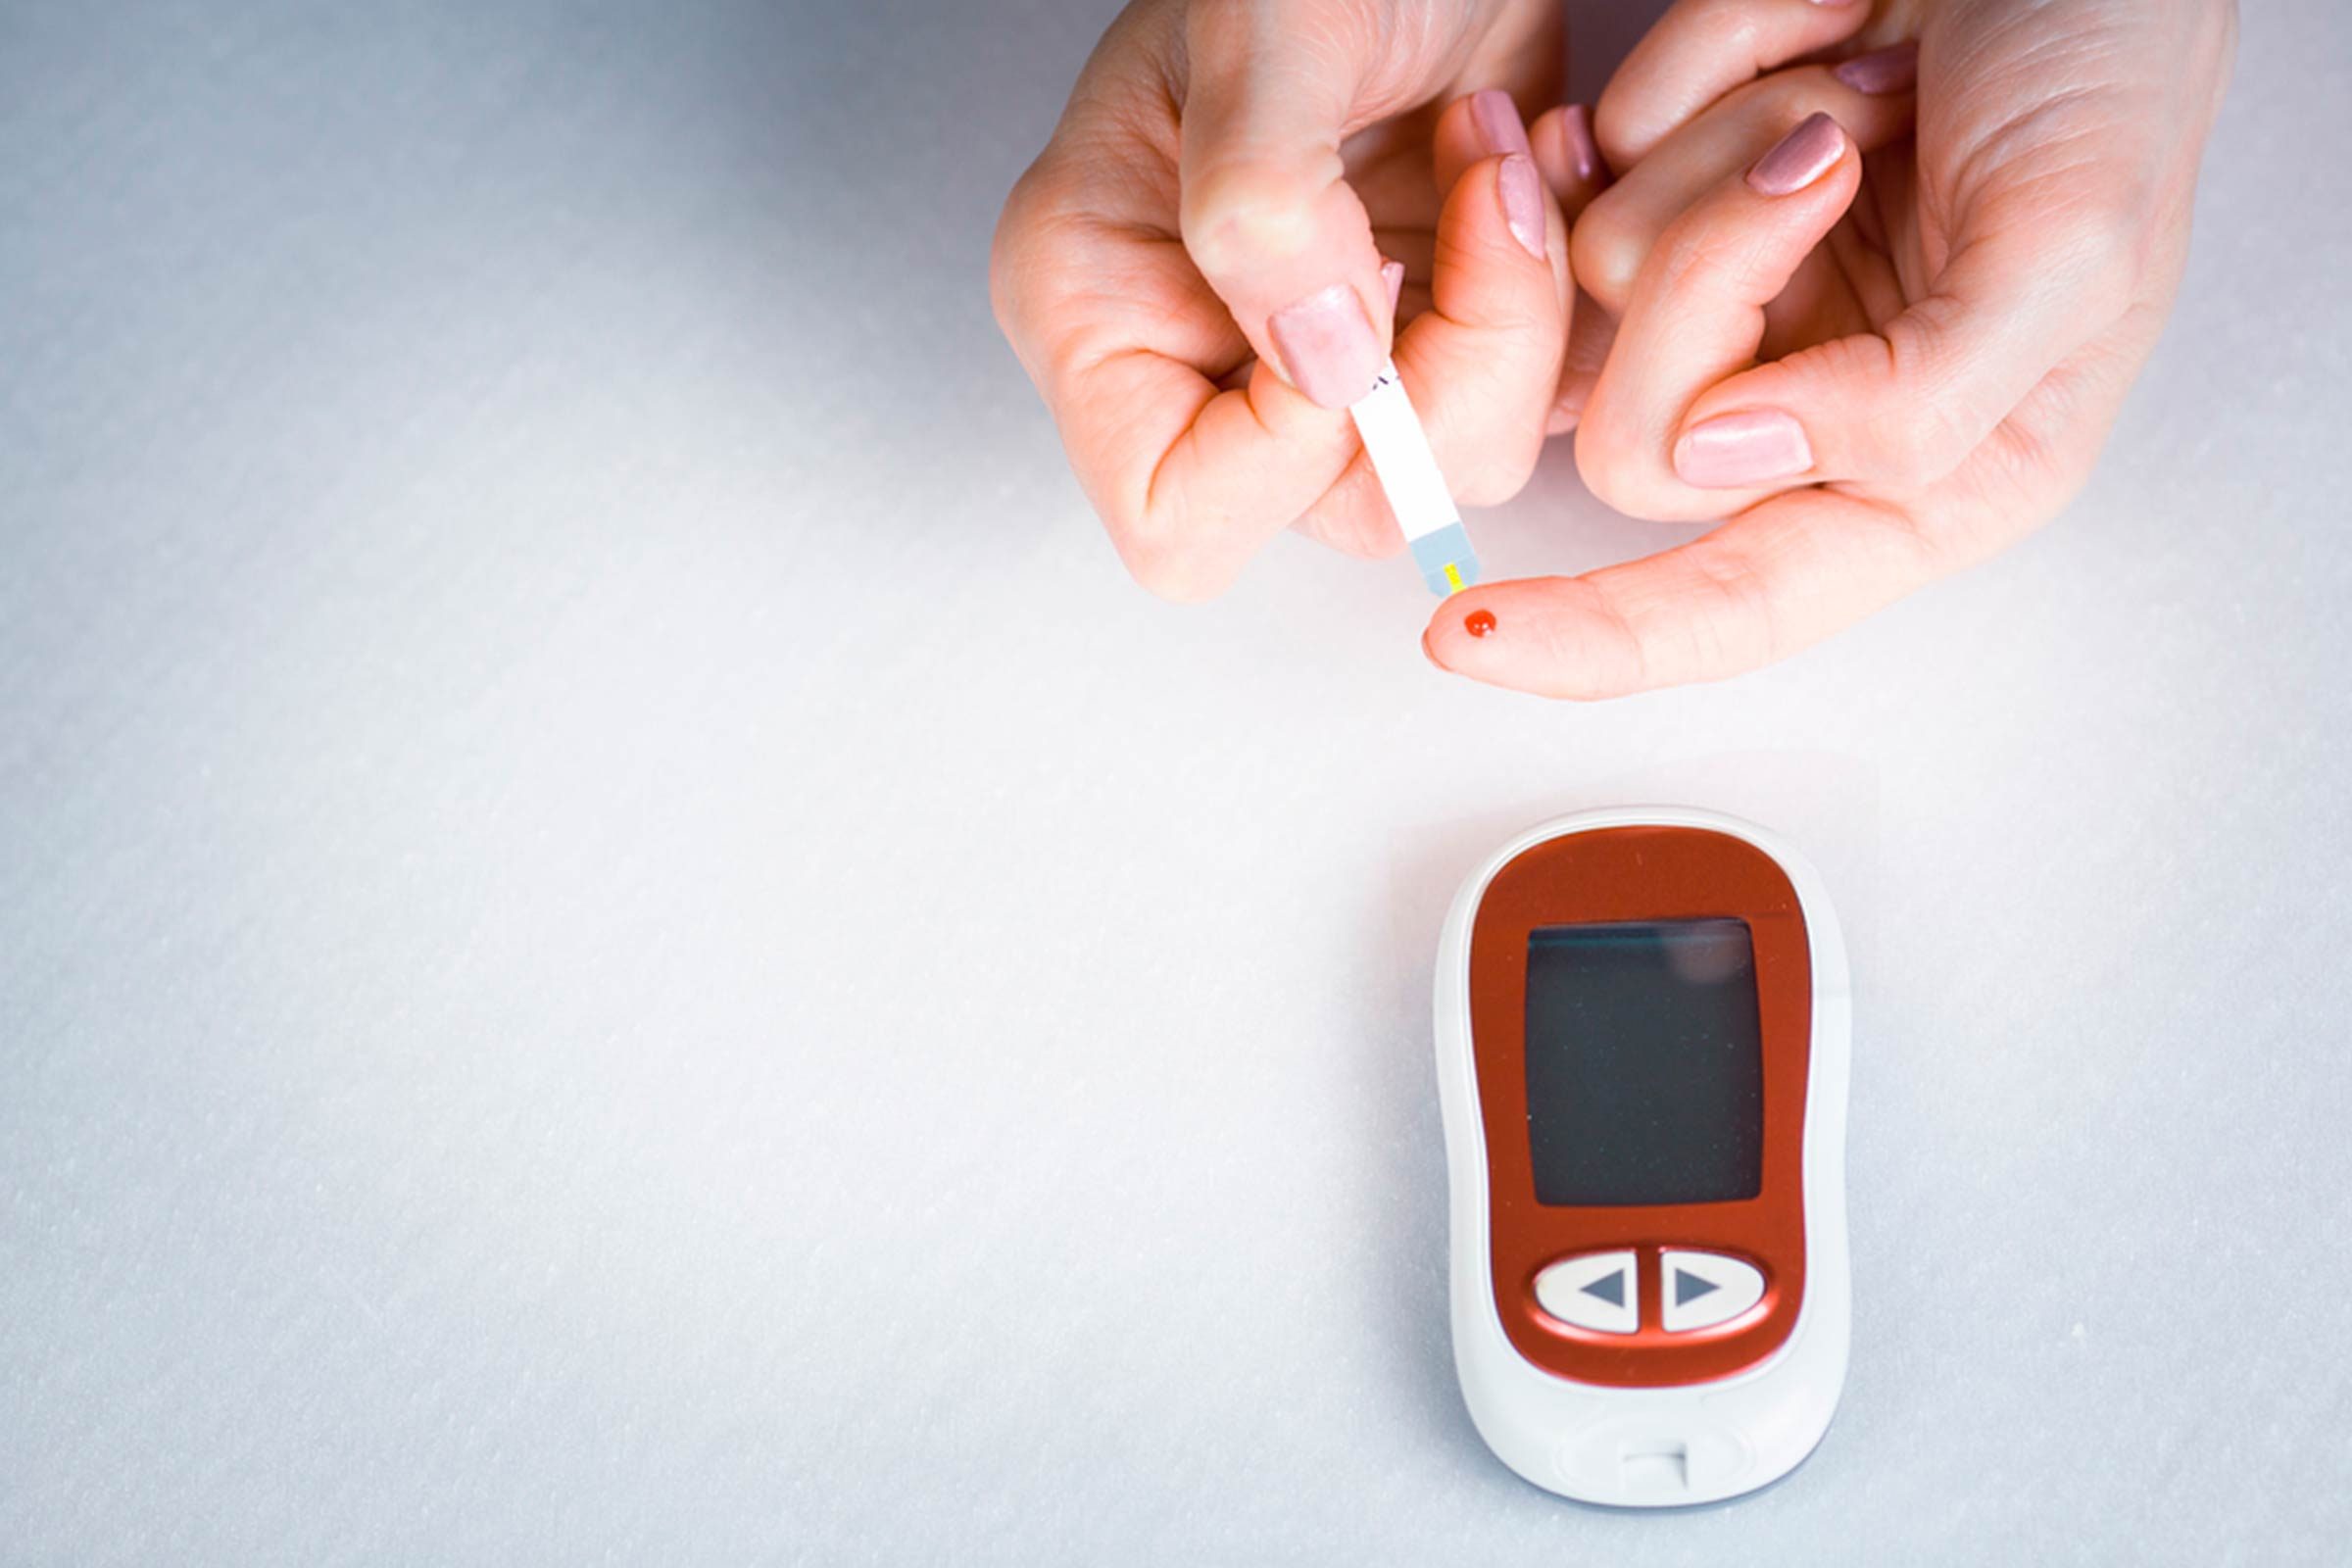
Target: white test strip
column 1416, row 491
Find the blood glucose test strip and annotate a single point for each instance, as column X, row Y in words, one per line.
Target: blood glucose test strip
column 1416, row 490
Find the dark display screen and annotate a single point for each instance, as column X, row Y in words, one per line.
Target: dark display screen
column 1645, row 1063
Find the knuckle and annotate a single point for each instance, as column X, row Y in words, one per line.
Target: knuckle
column 1219, row 34
column 1022, row 248
column 1708, row 255
column 1906, row 423
column 1604, row 253
column 1745, row 633
column 1917, row 448
column 2107, row 245
column 1238, row 212
column 1914, row 441
column 1604, row 461
column 1500, row 471
column 1165, row 568
column 1008, row 253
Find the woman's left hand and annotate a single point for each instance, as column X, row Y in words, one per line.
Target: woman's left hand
column 1881, row 362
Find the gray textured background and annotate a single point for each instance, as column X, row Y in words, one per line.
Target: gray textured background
column 622, row 943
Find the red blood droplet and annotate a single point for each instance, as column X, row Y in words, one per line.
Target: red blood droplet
column 1479, row 622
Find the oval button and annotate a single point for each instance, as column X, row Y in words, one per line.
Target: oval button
column 1595, row 1290
column 1704, row 1289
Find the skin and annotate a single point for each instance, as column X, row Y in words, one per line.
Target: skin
column 1217, row 162
column 1951, row 313
column 1954, row 323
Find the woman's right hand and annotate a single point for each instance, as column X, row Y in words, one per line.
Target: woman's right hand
column 1199, row 270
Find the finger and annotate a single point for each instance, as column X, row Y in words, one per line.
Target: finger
column 1700, row 51
column 1900, row 408
column 1776, row 580
column 1191, row 481
column 1590, row 335
column 1697, row 317
column 1569, row 156
column 1481, row 361
column 1129, row 348
column 1574, row 171
column 1615, row 233
column 1267, row 210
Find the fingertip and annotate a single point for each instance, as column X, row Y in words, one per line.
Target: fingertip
column 1883, row 73
column 1815, row 146
column 1495, row 234
column 1521, row 636
column 1569, row 156
column 1464, row 630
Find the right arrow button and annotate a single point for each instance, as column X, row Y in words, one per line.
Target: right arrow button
column 1704, row 1289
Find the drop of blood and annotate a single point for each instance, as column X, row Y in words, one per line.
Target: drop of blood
column 1478, row 623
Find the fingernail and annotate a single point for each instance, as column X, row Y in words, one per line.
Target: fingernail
column 1392, row 278
column 1733, row 450
column 1883, row 73
column 1583, row 153
column 1803, row 156
column 1328, row 346
column 1523, row 202
column 1496, row 121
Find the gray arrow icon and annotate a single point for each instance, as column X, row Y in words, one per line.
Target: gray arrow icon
column 1688, row 1287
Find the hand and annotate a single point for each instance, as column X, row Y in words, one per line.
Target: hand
column 1195, row 274
column 1881, row 361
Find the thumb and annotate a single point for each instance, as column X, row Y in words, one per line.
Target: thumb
column 1901, row 408
column 1267, row 213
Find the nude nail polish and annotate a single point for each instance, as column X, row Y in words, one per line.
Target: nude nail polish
column 1802, row 157
column 1734, row 450
column 1883, row 73
column 1583, row 153
column 1521, row 191
column 1392, row 279
column 1328, row 346
column 1496, row 121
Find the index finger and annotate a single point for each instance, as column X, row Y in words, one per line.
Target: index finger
column 1779, row 577
column 1699, row 51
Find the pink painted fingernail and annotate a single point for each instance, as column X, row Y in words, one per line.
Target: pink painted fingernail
column 1521, row 191
column 1392, row 278
column 1583, row 153
column 1733, row 450
column 1802, row 157
column 1496, row 121
column 1327, row 345
column 1883, row 73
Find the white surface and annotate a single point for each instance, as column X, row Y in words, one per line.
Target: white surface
column 1561, row 1290
column 1612, row 1446
column 1735, row 1287
column 621, row 941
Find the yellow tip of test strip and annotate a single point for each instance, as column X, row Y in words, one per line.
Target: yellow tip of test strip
column 1408, row 475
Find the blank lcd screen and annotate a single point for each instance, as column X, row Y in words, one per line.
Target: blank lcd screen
column 1645, row 1063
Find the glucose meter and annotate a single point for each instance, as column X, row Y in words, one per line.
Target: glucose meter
column 1641, row 1033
